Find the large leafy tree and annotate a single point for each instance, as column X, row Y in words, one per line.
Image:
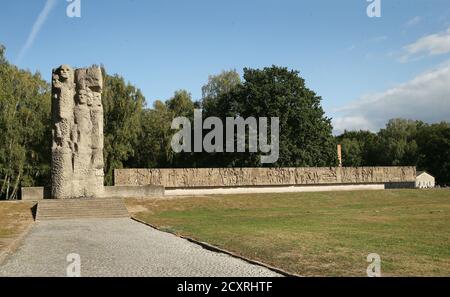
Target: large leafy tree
column 305, row 132
column 25, row 129
column 397, row 142
column 181, row 104
column 359, row 148
column 123, row 104
column 434, row 151
column 218, row 85
column 154, row 146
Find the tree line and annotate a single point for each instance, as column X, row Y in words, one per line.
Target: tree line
column 137, row 136
column 401, row 143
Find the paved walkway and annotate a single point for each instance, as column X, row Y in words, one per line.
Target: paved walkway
column 118, row 247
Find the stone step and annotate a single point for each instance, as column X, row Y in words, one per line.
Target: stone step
column 81, row 208
column 91, row 207
column 44, row 213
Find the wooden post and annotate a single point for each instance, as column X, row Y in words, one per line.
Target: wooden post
column 339, row 152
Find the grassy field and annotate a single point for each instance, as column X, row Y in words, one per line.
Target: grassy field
column 15, row 217
column 318, row 234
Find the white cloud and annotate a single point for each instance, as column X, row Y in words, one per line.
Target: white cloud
column 49, row 5
column 430, row 45
column 413, row 21
column 350, row 123
column 426, row 98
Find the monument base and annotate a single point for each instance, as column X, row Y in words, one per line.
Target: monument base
column 41, row 193
column 133, row 191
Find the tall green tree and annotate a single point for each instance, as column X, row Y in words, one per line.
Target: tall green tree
column 216, row 86
column 123, row 104
column 359, row 148
column 305, row 132
column 398, row 143
column 181, row 104
column 153, row 148
column 434, row 151
column 154, row 145
column 25, row 129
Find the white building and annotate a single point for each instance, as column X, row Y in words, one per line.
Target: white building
column 424, row 180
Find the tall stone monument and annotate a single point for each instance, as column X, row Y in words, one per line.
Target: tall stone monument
column 77, row 116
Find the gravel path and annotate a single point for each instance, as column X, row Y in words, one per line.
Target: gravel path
column 118, row 247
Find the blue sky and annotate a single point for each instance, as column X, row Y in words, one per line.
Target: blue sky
column 366, row 69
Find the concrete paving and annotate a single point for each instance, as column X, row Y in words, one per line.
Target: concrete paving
column 119, row 247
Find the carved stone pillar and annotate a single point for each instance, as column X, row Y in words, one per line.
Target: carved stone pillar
column 77, row 151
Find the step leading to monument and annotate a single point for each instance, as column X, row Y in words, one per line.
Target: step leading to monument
column 81, row 208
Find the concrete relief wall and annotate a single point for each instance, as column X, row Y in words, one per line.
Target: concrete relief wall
column 240, row 177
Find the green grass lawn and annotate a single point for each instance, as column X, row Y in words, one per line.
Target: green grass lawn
column 318, row 234
column 15, row 217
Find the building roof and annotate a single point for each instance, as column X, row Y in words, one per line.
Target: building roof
column 418, row 173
